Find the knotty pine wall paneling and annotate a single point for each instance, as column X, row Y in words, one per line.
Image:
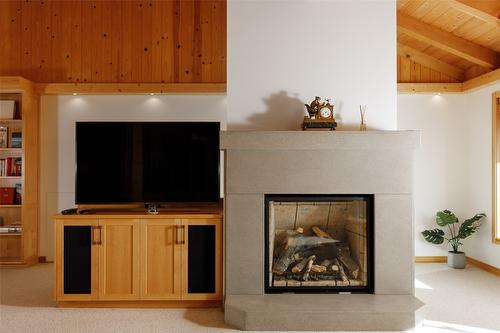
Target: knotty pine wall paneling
column 114, row 41
column 410, row 71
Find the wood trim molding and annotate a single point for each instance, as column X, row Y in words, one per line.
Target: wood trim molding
column 431, row 62
column 448, row 42
column 430, row 259
column 470, row 261
column 429, row 87
column 130, row 88
column 483, row 266
column 483, row 80
column 495, row 102
column 15, row 84
column 472, row 84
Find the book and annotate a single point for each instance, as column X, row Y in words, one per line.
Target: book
column 8, row 167
column 11, row 167
column 18, row 197
column 3, row 136
column 17, row 140
column 18, row 166
column 11, row 228
column 7, row 195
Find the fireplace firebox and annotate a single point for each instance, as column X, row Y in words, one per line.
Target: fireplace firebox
column 319, row 243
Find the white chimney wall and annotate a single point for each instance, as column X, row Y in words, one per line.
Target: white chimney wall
column 283, row 53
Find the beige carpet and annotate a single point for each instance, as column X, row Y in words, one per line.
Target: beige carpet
column 457, row 301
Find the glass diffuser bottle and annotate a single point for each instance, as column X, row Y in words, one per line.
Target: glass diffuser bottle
column 362, row 112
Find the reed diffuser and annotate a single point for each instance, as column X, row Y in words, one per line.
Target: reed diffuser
column 362, row 113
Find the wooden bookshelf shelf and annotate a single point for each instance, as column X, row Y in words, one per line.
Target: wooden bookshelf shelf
column 20, row 248
column 14, row 150
column 10, row 261
column 11, row 121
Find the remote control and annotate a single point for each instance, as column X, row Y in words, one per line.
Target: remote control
column 86, row 211
column 69, row 211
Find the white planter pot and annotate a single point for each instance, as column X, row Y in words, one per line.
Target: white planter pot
column 456, row 259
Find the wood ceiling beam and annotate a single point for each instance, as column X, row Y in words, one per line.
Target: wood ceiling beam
column 448, row 42
column 475, row 71
column 431, row 62
column 485, row 10
column 481, row 81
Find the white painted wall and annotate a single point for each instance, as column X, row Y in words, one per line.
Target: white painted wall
column 453, row 165
column 479, row 109
column 57, row 126
column 283, row 53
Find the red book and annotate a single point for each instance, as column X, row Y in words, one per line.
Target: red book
column 9, row 167
column 7, row 195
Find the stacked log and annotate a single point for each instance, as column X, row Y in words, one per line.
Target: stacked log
column 302, row 264
column 297, row 243
column 315, row 258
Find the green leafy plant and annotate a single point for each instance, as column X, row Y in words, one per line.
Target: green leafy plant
column 446, row 218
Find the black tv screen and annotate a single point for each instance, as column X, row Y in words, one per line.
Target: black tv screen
column 147, row 162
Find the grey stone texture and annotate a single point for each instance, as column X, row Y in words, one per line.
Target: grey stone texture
column 322, row 312
column 295, row 162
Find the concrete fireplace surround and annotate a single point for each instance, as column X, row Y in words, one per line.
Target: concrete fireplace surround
column 317, row 162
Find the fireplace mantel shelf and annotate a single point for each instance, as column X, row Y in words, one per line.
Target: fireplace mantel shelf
column 319, row 140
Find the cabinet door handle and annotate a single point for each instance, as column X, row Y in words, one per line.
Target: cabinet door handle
column 100, row 234
column 94, row 241
column 177, row 234
column 183, row 234
column 177, row 228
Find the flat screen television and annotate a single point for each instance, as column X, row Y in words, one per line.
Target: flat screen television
column 147, row 162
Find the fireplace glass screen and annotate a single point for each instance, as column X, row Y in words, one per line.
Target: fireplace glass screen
column 319, row 243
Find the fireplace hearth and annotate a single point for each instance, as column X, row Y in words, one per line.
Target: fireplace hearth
column 318, row 243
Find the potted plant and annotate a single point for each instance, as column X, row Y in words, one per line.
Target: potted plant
column 446, row 218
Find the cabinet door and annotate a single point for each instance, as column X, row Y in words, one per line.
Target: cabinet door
column 119, row 259
column 160, row 259
column 76, row 261
column 202, row 259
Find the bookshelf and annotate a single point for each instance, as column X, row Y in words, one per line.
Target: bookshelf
column 19, row 173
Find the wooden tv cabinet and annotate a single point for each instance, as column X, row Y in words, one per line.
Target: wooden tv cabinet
column 132, row 259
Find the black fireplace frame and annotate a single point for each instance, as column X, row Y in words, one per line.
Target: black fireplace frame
column 370, row 238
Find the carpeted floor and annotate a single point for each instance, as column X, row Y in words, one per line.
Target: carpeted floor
column 457, row 301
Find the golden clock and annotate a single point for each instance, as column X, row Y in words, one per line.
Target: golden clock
column 320, row 115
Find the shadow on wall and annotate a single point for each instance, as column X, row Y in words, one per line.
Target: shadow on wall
column 283, row 112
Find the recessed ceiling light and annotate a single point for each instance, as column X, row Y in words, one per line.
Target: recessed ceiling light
column 74, row 94
column 152, row 94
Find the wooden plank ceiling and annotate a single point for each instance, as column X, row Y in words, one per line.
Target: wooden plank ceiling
column 117, row 41
column 447, row 40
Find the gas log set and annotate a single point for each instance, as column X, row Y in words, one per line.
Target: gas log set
column 313, row 259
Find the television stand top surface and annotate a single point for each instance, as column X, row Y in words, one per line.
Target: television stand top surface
column 139, row 211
